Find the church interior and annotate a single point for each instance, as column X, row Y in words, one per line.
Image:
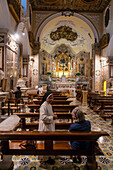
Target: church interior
column 64, row 47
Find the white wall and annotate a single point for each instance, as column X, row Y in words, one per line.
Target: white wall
column 5, row 21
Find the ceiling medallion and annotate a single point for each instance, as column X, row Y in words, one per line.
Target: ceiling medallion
column 50, row 1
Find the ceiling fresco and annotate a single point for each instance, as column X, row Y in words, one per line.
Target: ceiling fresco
column 75, row 5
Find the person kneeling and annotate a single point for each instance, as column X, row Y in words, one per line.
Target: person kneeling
column 80, row 125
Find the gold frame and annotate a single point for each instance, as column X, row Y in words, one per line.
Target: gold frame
column 111, row 71
column 45, row 71
column 2, row 58
column 84, row 68
column 57, row 69
column 105, row 40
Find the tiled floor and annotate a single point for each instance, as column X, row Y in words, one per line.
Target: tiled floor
column 64, row 162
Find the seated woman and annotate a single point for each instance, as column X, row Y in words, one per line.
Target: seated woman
column 80, row 125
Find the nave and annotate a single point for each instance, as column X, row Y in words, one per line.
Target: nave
column 105, row 162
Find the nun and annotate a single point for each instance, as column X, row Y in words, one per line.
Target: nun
column 47, row 121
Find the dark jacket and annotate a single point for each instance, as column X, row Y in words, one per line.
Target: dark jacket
column 83, row 126
column 17, row 94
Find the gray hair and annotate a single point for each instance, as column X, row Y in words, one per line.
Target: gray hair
column 79, row 115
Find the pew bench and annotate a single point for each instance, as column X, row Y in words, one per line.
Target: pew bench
column 49, row 148
column 107, row 116
column 55, row 102
column 55, row 97
column 56, row 108
column 32, row 126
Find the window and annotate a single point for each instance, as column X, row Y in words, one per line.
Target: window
column 24, row 5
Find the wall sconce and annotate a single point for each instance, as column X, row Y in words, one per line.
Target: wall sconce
column 97, row 72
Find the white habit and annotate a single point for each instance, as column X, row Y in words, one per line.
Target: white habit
column 46, row 122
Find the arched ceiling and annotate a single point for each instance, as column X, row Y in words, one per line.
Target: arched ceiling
column 85, row 37
column 76, row 5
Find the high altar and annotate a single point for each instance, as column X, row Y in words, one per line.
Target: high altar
column 63, row 64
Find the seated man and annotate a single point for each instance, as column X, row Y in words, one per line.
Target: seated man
column 80, row 125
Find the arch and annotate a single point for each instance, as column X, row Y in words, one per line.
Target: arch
column 110, row 47
column 95, row 32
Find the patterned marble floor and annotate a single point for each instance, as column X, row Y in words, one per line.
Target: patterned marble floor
column 28, row 162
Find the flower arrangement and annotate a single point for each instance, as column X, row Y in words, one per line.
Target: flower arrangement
column 48, row 73
column 78, row 74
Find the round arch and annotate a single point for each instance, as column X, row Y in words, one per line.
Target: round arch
column 38, row 30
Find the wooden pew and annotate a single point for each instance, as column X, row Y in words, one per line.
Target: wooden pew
column 33, row 126
column 49, row 137
column 56, row 108
column 54, row 102
column 11, row 105
column 90, row 97
column 107, row 116
column 55, row 97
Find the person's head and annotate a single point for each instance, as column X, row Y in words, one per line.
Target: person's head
column 78, row 115
column 18, row 87
column 47, row 97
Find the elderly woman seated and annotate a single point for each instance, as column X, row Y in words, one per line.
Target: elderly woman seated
column 80, row 125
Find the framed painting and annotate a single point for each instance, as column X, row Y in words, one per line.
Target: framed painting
column 1, row 58
column 25, row 70
column 111, row 71
column 62, row 63
column 44, row 68
column 82, row 68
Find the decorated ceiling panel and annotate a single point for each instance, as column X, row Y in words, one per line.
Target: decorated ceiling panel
column 76, row 5
column 73, row 32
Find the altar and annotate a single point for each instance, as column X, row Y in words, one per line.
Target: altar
column 62, row 86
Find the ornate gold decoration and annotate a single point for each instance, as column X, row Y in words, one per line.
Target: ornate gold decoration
column 63, row 32
column 31, row 38
column 104, row 40
column 90, row 1
column 76, row 5
column 50, row 1
column 62, row 63
column 14, row 7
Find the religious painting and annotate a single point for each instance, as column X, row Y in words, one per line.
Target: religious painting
column 105, row 40
column 62, row 63
column 111, row 71
column 44, row 68
column 25, row 70
column 82, row 68
column 1, row 58
column 64, row 32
